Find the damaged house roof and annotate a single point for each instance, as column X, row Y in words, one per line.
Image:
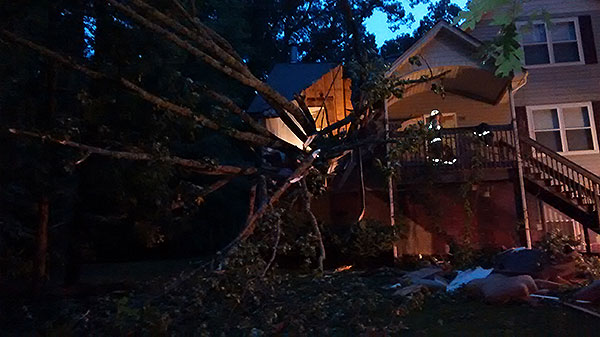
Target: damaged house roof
column 289, row 79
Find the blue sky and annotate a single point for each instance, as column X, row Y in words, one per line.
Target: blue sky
column 377, row 24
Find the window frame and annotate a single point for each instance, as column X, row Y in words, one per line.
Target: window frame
column 563, row 131
column 550, row 45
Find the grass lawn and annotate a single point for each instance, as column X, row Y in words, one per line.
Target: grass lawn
column 464, row 317
column 349, row 303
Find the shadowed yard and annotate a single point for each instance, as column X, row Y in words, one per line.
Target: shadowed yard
column 348, row 303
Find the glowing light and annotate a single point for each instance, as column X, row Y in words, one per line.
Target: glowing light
column 343, row 268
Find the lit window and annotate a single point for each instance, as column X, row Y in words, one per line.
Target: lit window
column 558, row 43
column 565, row 128
column 318, row 114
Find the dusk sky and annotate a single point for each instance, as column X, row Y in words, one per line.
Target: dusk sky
column 377, row 24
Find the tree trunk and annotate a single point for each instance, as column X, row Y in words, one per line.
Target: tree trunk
column 41, row 245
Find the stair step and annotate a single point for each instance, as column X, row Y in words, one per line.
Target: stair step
column 583, row 201
column 548, row 181
column 575, row 194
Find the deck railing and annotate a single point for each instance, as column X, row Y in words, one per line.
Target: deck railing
column 463, row 148
column 566, row 176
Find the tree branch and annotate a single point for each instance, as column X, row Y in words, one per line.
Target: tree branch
column 275, row 247
column 222, row 65
column 231, row 106
column 251, row 222
column 313, row 221
column 200, row 167
column 212, row 48
column 219, row 40
column 160, row 102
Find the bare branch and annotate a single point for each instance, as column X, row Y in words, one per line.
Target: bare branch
column 200, row 167
column 221, row 65
column 212, row 48
column 160, row 102
column 342, row 122
column 307, row 115
column 313, row 221
column 275, row 247
column 219, row 40
column 231, row 106
column 217, row 185
column 251, row 222
column 287, row 120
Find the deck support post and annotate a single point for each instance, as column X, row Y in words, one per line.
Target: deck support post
column 390, row 178
column 586, row 236
column 519, row 167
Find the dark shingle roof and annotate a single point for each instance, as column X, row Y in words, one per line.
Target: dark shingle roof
column 289, row 79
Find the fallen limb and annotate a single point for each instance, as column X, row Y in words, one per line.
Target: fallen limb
column 313, row 221
column 220, row 62
column 201, row 167
column 229, row 104
column 251, row 222
column 199, row 36
column 275, row 247
column 219, row 40
column 254, row 216
column 140, row 92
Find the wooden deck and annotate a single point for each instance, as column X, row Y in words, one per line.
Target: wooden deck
column 467, row 154
column 465, row 151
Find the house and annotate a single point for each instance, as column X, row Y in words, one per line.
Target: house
column 523, row 153
column 540, row 168
column 325, row 90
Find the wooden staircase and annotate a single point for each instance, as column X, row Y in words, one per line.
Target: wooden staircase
column 561, row 183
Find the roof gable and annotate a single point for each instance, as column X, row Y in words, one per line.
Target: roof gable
column 464, row 44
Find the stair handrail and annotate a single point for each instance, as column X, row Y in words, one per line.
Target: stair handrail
column 565, row 161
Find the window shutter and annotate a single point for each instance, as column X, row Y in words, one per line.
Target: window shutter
column 596, row 114
column 587, row 40
column 522, row 125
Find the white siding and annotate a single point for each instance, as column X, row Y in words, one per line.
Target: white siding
column 443, row 50
column 560, row 84
column 469, row 112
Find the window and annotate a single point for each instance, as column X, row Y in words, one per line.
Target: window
column 448, row 120
column 564, row 128
column 558, row 43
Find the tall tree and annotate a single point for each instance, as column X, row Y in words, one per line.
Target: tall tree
column 152, row 126
column 437, row 11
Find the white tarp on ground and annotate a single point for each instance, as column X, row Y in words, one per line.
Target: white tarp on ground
column 467, row 276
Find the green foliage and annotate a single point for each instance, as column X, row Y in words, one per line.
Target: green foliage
column 464, row 256
column 504, row 51
column 559, row 248
column 557, row 245
column 365, row 242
